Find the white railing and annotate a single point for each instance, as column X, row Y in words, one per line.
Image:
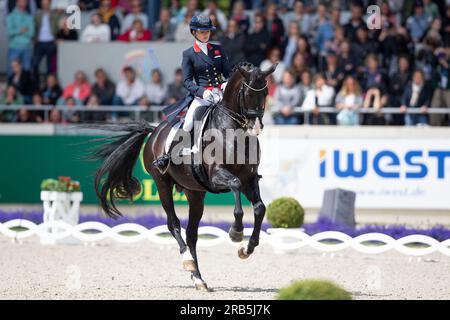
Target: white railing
column 281, row 240
column 155, row 110
column 131, row 110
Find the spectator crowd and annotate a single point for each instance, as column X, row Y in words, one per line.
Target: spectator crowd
column 330, row 53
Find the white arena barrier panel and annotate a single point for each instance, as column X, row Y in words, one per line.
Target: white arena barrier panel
column 61, row 206
column 281, row 240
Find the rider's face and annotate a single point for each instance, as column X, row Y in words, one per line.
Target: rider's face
column 203, row 35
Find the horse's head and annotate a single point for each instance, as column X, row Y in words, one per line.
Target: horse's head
column 250, row 95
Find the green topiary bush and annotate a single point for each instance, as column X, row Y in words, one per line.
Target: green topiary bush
column 285, row 212
column 313, row 290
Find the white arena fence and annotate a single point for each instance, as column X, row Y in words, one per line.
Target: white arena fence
column 281, row 240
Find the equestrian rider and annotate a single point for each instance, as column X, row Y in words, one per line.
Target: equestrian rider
column 204, row 68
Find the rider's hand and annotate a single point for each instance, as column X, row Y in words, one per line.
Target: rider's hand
column 217, row 98
column 208, row 95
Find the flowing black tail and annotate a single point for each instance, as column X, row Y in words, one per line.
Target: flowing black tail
column 114, row 179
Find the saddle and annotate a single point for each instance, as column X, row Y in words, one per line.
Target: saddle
column 201, row 116
column 198, row 171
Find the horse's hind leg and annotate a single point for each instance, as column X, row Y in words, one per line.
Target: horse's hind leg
column 165, row 189
column 196, row 207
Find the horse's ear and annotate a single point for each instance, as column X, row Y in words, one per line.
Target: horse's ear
column 244, row 72
column 270, row 70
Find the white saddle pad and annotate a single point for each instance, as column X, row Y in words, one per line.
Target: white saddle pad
column 176, row 127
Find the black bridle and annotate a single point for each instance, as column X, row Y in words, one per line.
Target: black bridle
column 245, row 114
column 252, row 113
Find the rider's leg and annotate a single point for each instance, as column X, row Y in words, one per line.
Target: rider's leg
column 189, row 118
column 172, row 133
column 189, row 122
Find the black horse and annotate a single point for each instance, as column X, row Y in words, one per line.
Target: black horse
column 242, row 108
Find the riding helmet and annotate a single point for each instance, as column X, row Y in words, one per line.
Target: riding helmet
column 201, row 22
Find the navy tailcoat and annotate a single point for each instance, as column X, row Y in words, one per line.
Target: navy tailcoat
column 200, row 72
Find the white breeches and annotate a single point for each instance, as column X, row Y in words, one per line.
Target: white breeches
column 189, row 118
column 171, row 135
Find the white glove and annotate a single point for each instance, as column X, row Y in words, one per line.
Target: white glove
column 212, row 96
column 208, row 95
column 217, row 95
column 216, row 98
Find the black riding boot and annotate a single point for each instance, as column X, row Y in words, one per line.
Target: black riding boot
column 162, row 161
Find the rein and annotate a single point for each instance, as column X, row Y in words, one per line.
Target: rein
column 237, row 117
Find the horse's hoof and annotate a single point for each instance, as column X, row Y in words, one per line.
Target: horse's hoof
column 236, row 236
column 189, row 265
column 201, row 287
column 242, row 253
column 199, row 284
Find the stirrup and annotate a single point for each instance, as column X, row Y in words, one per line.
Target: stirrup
column 162, row 162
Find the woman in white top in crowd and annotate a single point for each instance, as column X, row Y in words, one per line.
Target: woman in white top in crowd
column 129, row 90
column 348, row 102
column 156, row 90
column 321, row 96
column 96, row 31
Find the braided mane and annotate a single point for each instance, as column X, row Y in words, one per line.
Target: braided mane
column 247, row 65
column 234, row 80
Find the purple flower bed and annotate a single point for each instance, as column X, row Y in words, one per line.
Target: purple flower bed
column 151, row 220
column 437, row 232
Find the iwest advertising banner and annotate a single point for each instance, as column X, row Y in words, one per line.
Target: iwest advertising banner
column 384, row 173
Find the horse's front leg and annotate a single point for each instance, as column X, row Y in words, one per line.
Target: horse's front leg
column 223, row 178
column 252, row 193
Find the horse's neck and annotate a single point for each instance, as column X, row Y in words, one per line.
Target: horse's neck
column 219, row 120
column 231, row 94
